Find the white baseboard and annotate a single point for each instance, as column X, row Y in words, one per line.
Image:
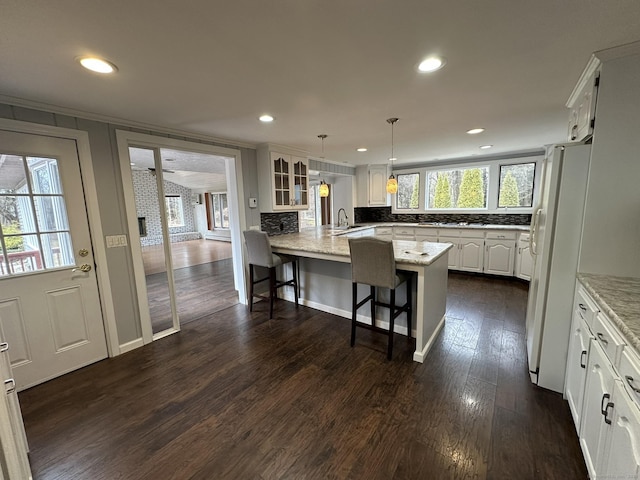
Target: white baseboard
column 420, row 356
column 132, row 345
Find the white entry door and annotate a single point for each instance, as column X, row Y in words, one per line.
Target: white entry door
column 50, row 311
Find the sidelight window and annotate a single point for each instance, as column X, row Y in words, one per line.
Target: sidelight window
column 175, row 214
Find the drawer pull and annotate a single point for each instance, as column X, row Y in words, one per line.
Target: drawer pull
column 629, row 380
column 582, row 357
column 582, row 307
column 603, row 408
column 10, row 385
column 4, row 346
column 602, row 338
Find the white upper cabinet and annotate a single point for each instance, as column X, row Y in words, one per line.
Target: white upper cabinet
column 283, row 181
column 372, row 185
column 582, row 103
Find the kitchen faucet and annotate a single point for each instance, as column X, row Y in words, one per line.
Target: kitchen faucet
column 342, row 223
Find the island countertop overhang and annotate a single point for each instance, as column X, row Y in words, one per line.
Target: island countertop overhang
column 320, row 243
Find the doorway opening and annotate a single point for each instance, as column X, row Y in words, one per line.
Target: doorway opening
column 185, row 230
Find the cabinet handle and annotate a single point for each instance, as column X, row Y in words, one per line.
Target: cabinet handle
column 582, row 356
column 10, row 385
column 4, row 346
column 574, row 132
column 602, row 339
column 629, row 380
column 520, row 250
column 582, row 307
column 603, row 408
column 606, row 412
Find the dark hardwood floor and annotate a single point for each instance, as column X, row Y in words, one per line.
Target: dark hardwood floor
column 200, row 290
column 239, row 396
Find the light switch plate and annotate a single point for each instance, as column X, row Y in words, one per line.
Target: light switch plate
column 253, row 202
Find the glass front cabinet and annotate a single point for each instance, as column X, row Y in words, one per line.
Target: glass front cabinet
column 283, row 181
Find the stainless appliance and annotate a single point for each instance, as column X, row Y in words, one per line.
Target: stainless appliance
column 556, row 230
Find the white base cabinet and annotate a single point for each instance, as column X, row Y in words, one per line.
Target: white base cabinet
column 604, row 398
column 524, row 260
column 500, row 253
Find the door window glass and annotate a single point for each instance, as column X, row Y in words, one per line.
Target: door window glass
column 34, row 226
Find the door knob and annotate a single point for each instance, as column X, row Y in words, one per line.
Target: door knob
column 83, row 268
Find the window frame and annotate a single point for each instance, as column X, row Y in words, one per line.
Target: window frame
column 493, row 185
column 420, row 192
column 214, row 212
column 533, row 186
column 180, row 205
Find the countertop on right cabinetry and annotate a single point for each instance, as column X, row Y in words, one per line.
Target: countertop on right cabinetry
column 619, row 298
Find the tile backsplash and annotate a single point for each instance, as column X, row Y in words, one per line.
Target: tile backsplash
column 279, row 223
column 383, row 214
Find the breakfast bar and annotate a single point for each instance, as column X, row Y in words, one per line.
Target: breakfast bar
column 325, row 278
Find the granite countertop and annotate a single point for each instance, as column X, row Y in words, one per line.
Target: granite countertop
column 476, row 226
column 321, row 240
column 619, row 299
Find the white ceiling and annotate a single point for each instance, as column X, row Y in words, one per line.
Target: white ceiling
column 336, row 67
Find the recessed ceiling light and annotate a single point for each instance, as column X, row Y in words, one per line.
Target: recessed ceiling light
column 475, row 131
column 484, row 147
column 361, row 149
column 96, row 64
column 431, row 64
column 266, row 118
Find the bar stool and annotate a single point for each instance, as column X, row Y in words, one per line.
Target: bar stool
column 260, row 255
column 373, row 263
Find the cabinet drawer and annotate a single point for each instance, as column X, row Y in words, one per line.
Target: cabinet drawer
column 524, row 237
column 609, row 338
column 585, row 306
column 384, row 231
column 630, row 372
column 471, row 233
column 403, row 231
column 499, row 235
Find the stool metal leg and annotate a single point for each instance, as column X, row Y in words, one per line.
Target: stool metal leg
column 373, row 306
column 392, row 311
column 295, row 280
column 272, row 290
column 251, row 276
column 353, row 312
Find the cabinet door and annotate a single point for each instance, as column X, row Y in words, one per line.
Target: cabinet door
column 378, row 185
column 281, row 181
column 597, row 395
column 300, row 182
column 499, row 257
column 454, row 253
column 577, row 360
column 471, row 254
column 622, row 455
column 524, row 261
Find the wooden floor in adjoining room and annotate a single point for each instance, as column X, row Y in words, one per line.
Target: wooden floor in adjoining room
column 235, row 395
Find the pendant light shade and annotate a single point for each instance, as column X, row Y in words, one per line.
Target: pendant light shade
column 392, row 183
column 323, row 189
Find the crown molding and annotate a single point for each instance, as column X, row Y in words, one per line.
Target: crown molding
column 21, row 102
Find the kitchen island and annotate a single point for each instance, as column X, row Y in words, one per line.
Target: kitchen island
column 325, row 279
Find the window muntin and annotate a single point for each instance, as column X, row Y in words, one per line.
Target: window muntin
column 175, row 213
column 460, row 188
column 408, row 196
column 34, row 226
column 516, row 185
column 220, row 210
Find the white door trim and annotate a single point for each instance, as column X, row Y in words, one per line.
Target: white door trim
column 91, row 199
column 236, row 210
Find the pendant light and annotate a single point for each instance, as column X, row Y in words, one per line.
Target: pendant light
column 392, row 183
column 324, row 188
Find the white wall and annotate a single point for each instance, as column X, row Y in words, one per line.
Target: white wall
column 611, row 232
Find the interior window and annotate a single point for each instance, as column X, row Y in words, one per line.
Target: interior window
column 460, row 188
column 516, row 185
column 408, row 197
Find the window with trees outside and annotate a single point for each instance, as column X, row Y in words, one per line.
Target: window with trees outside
column 175, row 214
column 516, row 185
column 460, row 188
column 408, row 196
column 220, row 210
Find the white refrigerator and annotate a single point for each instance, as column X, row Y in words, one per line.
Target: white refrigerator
column 556, row 229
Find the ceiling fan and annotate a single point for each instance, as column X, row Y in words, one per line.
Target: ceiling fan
column 164, row 170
